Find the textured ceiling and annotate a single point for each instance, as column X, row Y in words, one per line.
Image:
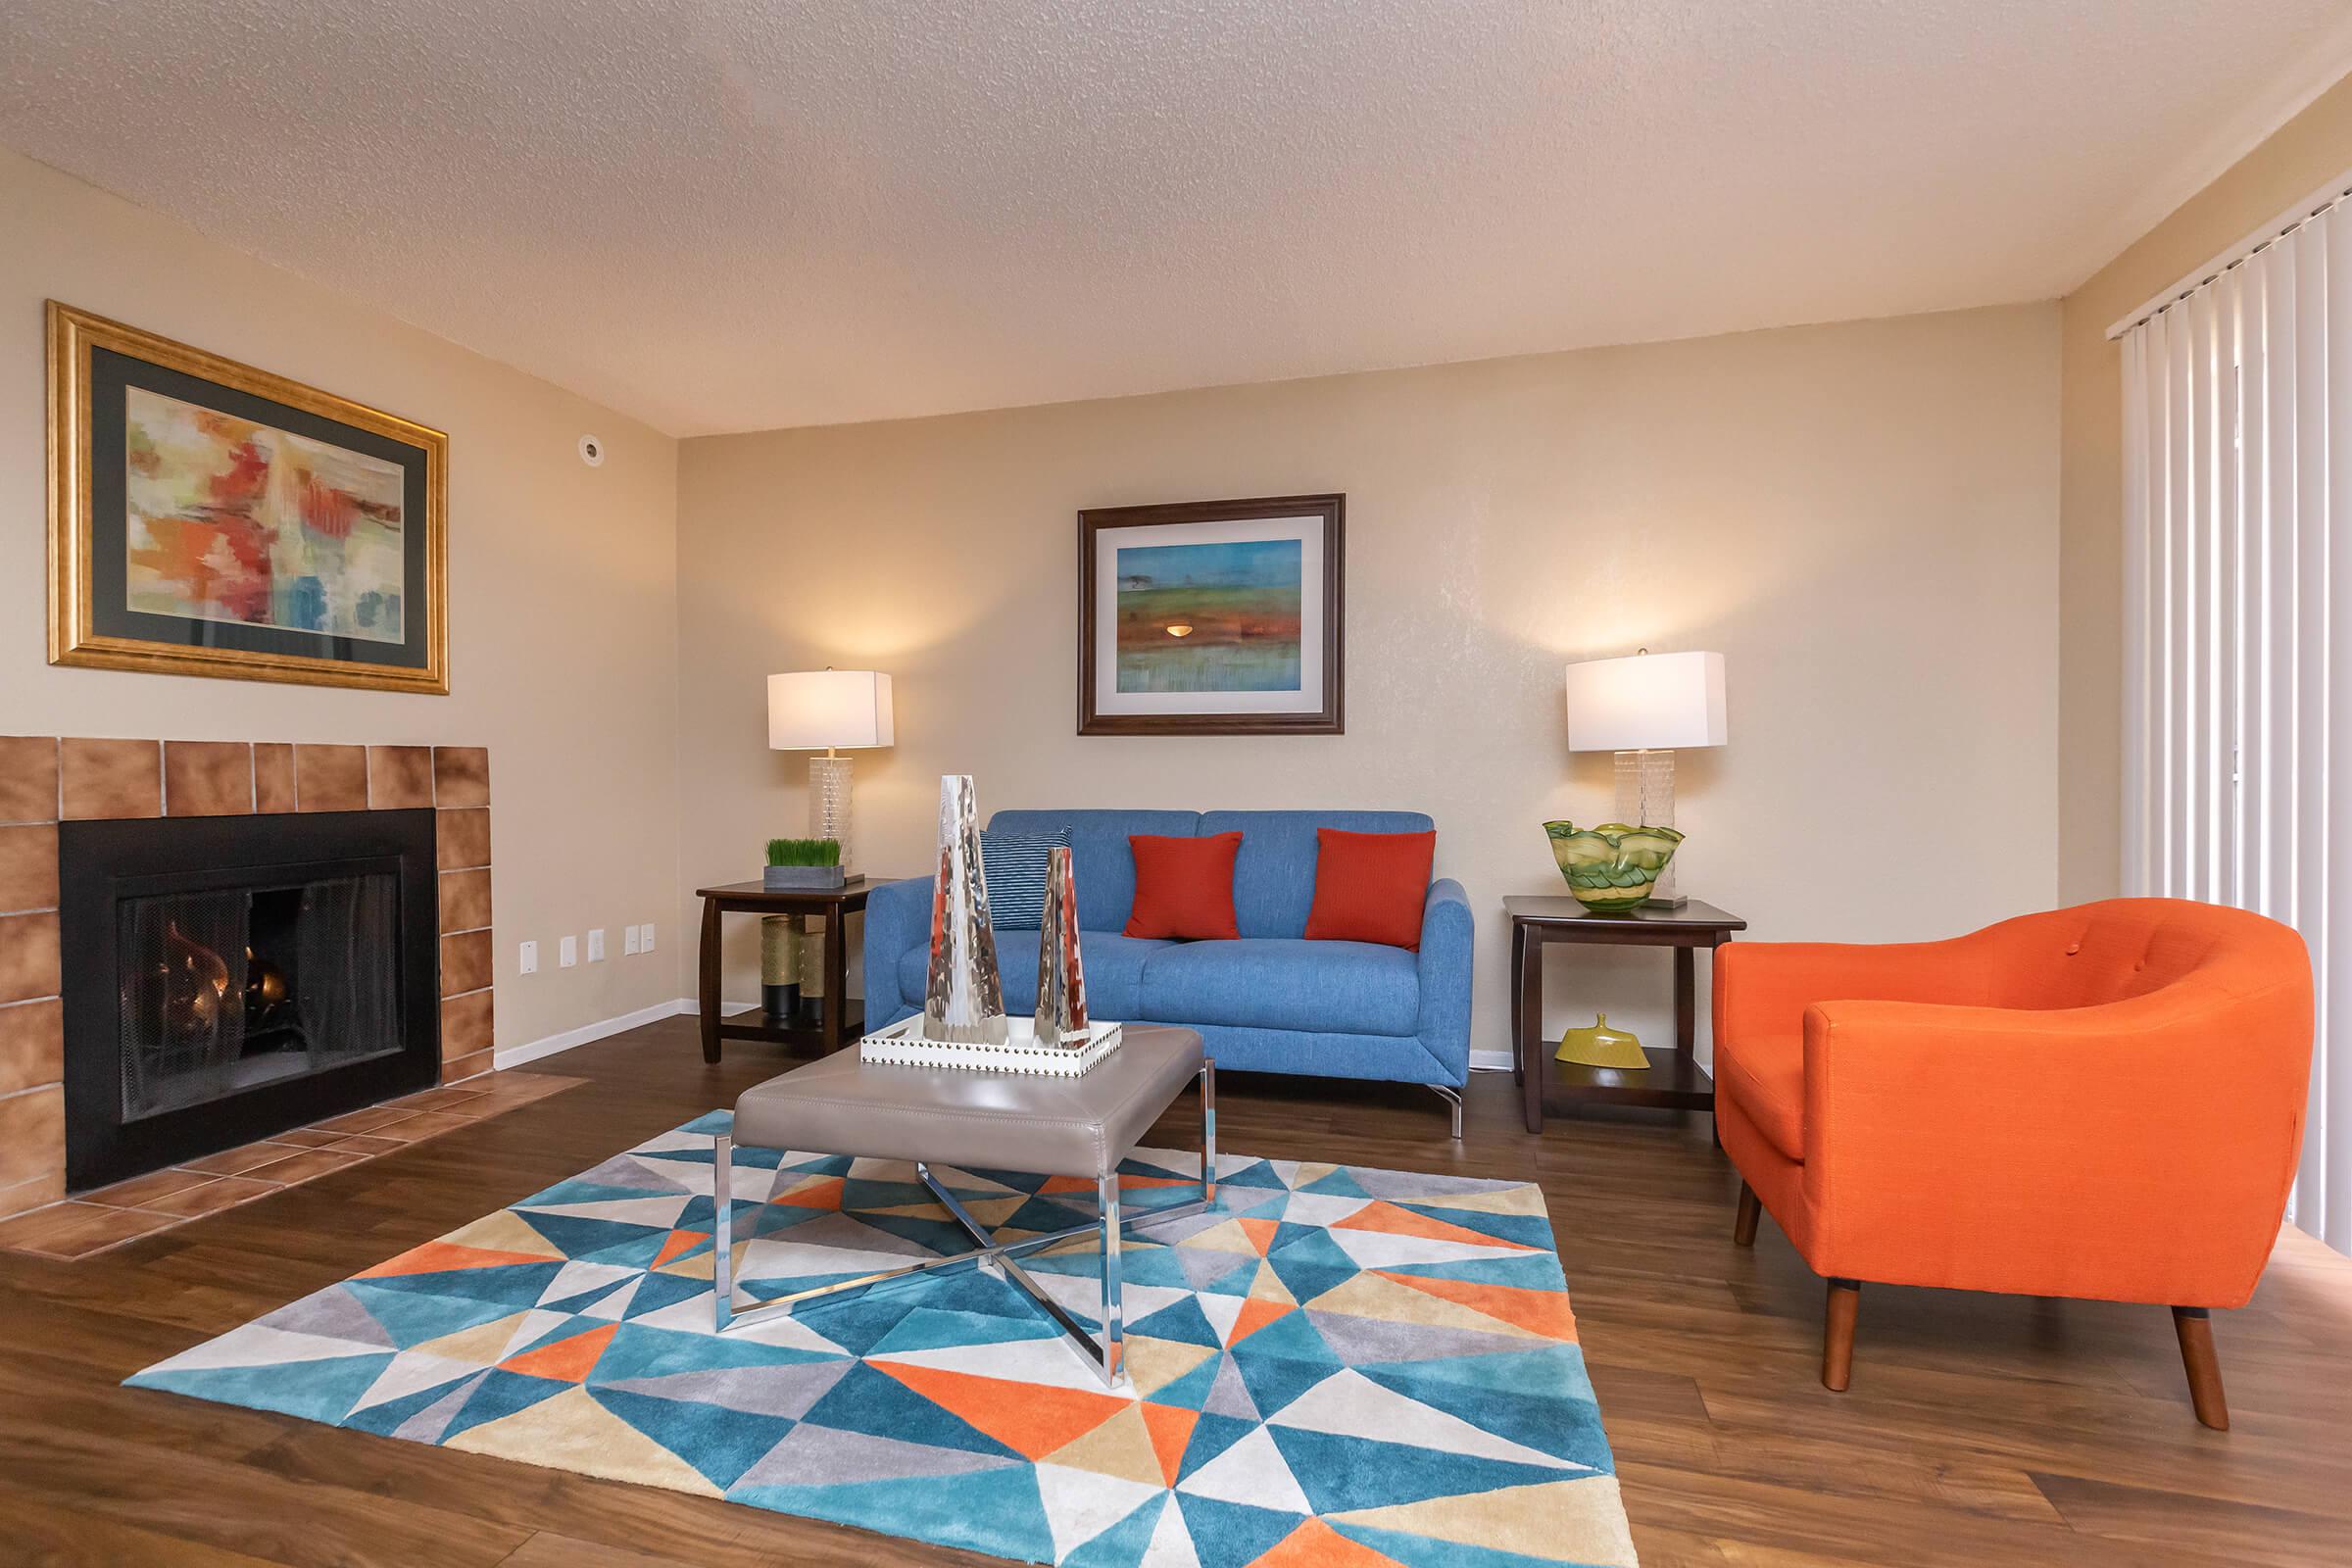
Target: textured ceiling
column 740, row 214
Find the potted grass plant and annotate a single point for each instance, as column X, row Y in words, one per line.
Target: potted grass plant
column 797, row 864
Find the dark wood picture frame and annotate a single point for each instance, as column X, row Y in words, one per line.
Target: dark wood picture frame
column 1326, row 720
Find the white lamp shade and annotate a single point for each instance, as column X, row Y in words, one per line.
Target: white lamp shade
column 814, row 710
column 1651, row 702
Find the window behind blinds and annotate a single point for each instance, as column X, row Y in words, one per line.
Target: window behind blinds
column 2238, row 583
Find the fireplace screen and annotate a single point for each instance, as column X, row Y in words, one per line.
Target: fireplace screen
column 227, row 991
column 228, row 977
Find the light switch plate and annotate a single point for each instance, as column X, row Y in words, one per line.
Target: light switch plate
column 595, row 946
column 567, row 952
column 526, row 957
column 647, row 944
column 628, row 940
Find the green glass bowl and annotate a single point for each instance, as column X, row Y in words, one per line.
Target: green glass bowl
column 1611, row 868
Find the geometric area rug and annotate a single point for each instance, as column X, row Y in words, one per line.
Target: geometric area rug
column 1337, row 1365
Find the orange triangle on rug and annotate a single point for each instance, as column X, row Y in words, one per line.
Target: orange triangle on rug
column 1395, row 1222
column 679, row 1242
column 1029, row 1418
column 565, row 1360
column 1255, row 1314
column 1544, row 1312
column 1316, row 1544
column 821, row 1191
column 439, row 1257
column 1171, row 1428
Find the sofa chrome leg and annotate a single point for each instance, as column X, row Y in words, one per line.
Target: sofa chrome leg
column 1455, row 1100
column 1751, row 1209
column 2193, row 1326
column 1838, row 1335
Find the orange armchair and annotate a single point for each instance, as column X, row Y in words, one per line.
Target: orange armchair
column 2104, row 1102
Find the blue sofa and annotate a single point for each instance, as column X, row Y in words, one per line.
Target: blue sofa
column 1271, row 1001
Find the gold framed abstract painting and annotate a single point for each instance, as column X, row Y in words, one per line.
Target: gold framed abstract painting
column 209, row 518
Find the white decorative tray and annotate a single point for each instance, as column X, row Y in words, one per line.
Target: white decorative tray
column 900, row 1046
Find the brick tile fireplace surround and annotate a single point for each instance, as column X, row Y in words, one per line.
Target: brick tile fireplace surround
column 45, row 780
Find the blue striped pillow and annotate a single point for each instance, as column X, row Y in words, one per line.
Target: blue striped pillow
column 1015, row 867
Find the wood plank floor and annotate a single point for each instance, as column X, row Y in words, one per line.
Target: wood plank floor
column 1979, row 1431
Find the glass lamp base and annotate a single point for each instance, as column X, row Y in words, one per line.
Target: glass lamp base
column 829, row 802
column 1645, row 799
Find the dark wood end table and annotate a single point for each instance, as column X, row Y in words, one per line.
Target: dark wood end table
column 1674, row 1078
column 840, row 1021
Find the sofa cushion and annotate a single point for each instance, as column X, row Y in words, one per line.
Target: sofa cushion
column 1274, row 875
column 1281, row 983
column 1098, row 854
column 1766, row 1074
column 1014, row 865
column 1114, row 968
column 1183, row 886
column 1370, row 887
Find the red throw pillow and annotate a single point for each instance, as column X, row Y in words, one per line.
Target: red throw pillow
column 1370, row 887
column 1183, row 887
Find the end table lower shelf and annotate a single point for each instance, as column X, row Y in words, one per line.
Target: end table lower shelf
column 1673, row 1079
column 752, row 1024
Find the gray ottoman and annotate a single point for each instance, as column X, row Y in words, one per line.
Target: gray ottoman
column 1042, row 1126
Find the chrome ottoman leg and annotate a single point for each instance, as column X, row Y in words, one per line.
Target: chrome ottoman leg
column 1114, row 1296
column 1107, row 1352
column 722, row 1228
column 1209, row 1132
column 1453, row 1098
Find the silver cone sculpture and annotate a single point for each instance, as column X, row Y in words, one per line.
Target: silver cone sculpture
column 1060, row 976
column 963, row 995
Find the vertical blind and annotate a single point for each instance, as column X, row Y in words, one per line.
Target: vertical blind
column 2237, row 618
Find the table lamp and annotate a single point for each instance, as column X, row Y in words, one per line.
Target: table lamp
column 838, row 709
column 1645, row 709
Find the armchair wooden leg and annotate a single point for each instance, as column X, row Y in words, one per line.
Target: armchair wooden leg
column 1838, row 1335
column 2195, row 1327
column 1743, row 1229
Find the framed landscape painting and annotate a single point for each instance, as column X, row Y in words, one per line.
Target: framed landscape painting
column 1211, row 617
column 209, row 518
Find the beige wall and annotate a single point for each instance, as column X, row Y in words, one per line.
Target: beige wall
column 563, row 609
column 2314, row 147
column 1862, row 517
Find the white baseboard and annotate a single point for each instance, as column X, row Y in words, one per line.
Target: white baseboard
column 603, row 1029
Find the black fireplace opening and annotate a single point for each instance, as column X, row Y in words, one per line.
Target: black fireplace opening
column 230, row 978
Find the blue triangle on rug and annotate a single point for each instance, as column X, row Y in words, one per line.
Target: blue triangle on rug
column 870, row 1401
column 327, row 1390
column 1124, row 1543
column 1233, row 1532
column 1565, row 1429
column 719, row 1442
column 1341, row 1474
column 988, row 1511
